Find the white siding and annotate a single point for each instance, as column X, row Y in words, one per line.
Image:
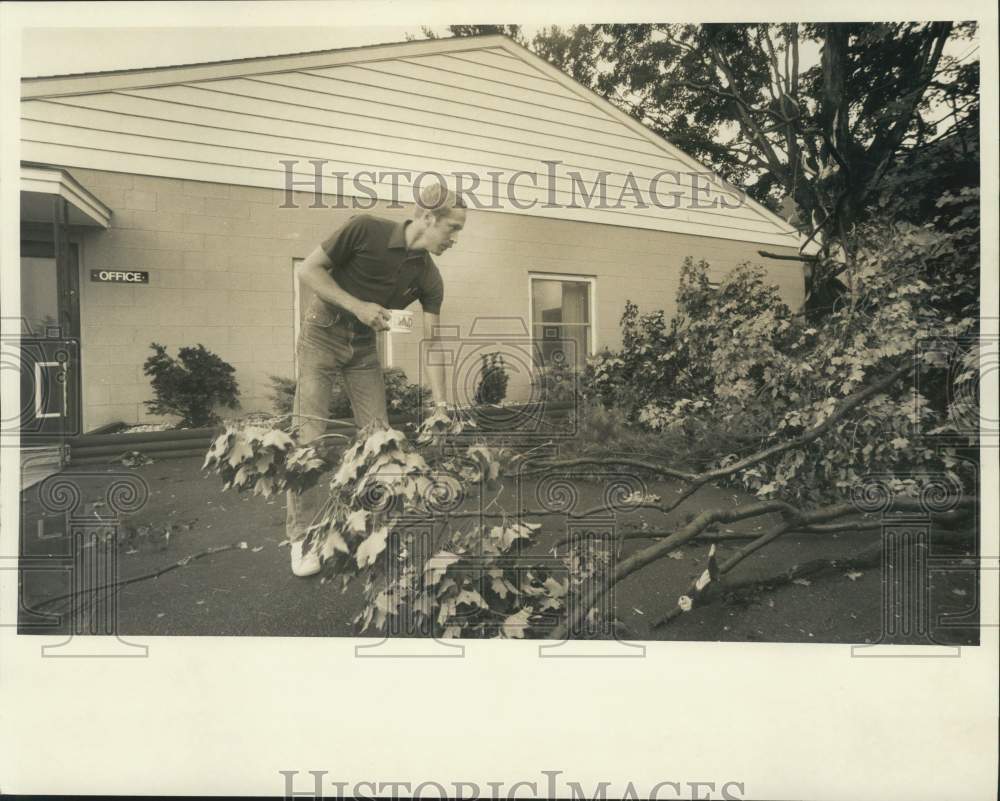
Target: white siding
column 412, row 108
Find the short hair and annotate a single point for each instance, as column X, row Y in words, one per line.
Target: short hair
column 437, row 200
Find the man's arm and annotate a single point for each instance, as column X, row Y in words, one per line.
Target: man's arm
column 435, row 372
column 314, row 272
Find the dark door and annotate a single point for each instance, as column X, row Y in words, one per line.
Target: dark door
column 50, row 350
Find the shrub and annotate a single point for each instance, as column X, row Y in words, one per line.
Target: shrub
column 283, row 397
column 736, row 370
column 402, row 397
column 190, row 386
column 493, row 379
column 556, row 383
column 282, row 393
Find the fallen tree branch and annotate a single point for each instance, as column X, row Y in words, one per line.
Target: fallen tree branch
column 868, row 557
column 794, row 519
column 957, row 516
column 706, row 583
column 844, row 407
column 768, row 255
column 698, row 479
column 605, row 461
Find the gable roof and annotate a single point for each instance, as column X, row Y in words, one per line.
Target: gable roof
column 479, row 105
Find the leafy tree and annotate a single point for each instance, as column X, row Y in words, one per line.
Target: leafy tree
column 513, row 31
column 736, row 360
column 575, row 50
column 754, row 102
column 191, row 385
column 827, row 115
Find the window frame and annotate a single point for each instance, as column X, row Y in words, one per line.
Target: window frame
column 590, row 280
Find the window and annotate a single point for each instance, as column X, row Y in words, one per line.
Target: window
column 562, row 317
column 302, row 297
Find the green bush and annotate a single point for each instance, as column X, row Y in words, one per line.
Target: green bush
column 283, row 397
column 190, row 386
column 736, row 370
column 606, row 429
column 493, row 378
column 557, row 383
column 402, row 397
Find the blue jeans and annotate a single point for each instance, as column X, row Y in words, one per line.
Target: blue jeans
column 331, row 342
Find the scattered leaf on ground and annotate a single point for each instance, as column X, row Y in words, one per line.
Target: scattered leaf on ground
column 514, row 625
column 802, row 582
column 854, row 575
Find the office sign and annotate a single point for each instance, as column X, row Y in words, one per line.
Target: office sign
column 119, row 276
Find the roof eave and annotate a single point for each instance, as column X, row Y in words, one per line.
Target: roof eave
column 148, row 77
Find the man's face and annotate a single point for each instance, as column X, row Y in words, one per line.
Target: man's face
column 443, row 232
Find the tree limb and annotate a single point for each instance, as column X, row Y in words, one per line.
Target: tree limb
column 802, row 257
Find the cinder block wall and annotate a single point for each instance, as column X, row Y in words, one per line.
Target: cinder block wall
column 220, row 260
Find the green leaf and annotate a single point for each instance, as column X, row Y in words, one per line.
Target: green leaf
column 513, row 626
column 276, row 438
column 472, row 598
column 241, row 450
column 437, row 565
column 382, row 441
column 373, row 545
column 333, row 542
column 357, row 521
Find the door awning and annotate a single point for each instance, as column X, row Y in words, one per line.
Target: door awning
column 38, row 186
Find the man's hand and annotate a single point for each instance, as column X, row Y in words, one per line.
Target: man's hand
column 437, row 409
column 372, row 315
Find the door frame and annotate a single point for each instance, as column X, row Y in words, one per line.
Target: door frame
column 66, row 254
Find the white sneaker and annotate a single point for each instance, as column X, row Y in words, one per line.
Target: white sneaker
column 307, row 565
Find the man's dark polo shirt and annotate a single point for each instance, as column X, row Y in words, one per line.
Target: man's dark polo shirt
column 371, row 262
